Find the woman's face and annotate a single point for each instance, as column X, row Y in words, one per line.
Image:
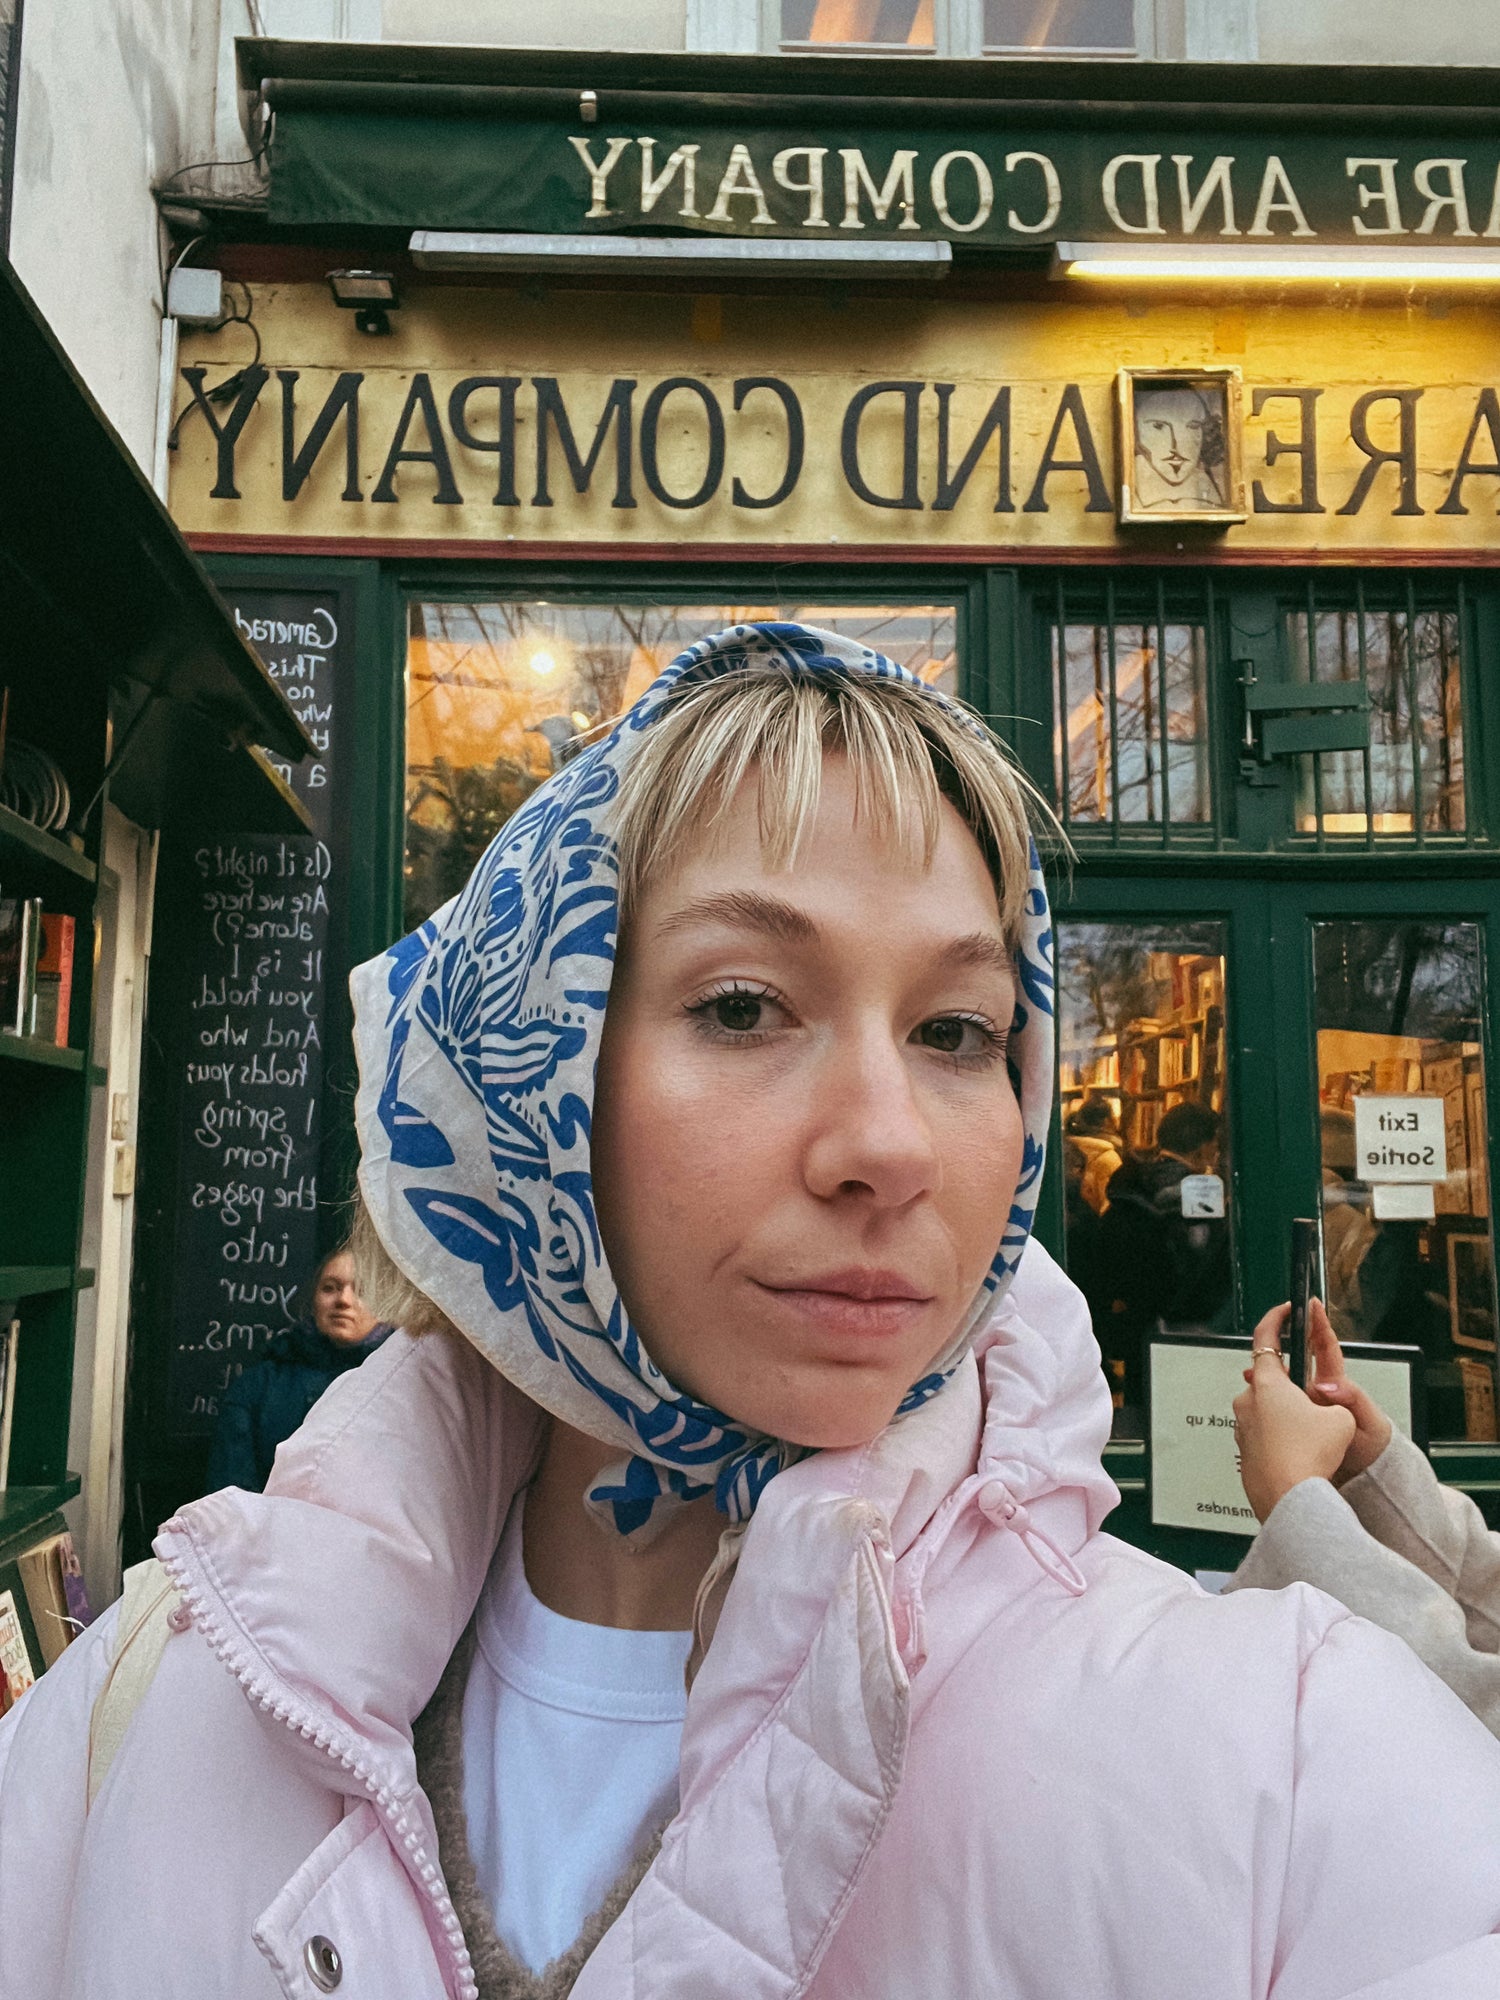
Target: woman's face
column 805, row 1139
column 338, row 1309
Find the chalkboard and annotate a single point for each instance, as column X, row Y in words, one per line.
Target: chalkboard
column 255, row 934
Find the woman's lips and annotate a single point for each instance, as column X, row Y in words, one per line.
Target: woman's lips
column 855, row 1304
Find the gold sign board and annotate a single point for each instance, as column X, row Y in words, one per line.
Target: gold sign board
column 494, row 417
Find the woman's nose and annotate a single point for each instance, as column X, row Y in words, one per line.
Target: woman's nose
column 868, row 1129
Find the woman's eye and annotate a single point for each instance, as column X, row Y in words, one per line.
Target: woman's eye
column 963, row 1036
column 738, row 1013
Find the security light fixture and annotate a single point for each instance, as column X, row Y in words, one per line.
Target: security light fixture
column 1280, row 263
column 370, row 295
column 640, row 256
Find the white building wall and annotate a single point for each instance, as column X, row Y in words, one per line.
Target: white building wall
column 111, row 97
column 572, row 24
column 1379, row 31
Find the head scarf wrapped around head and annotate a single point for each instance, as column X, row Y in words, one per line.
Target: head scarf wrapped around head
column 477, row 1039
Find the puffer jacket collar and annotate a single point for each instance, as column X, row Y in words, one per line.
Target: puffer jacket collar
column 337, row 1597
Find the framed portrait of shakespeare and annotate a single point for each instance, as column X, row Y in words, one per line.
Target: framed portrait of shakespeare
column 1178, row 438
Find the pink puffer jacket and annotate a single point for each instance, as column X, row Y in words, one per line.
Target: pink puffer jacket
column 949, row 1742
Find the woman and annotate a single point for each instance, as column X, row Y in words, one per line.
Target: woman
column 264, row 1405
column 756, row 1365
column 1349, row 1504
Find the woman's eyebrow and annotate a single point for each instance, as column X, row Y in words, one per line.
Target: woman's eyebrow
column 980, row 950
column 744, row 909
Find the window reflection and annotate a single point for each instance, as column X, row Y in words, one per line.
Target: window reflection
column 1059, row 24
column 1131, row 743
column 1408, row 659
column 1141, row 1072
column 499, row 695
column 1399, row 1014
column 858, row 23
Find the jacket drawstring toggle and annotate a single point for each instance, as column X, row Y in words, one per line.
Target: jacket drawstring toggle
column 999, row 1506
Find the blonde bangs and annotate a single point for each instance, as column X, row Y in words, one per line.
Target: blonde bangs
column 906, row 751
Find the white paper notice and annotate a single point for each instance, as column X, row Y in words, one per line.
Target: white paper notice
column 1195, row 1477
column 1400, row 1139
column 1386, row 1383
column 1202, row 1195
column 1403, row 1201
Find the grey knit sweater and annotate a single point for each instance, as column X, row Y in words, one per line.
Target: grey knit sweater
column 500, row 1975
column 1401, row 1549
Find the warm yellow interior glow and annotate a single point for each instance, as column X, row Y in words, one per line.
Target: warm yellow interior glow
column 543, row 663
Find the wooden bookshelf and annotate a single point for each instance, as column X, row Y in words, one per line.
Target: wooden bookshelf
column 19, row 838
column 27, row 1049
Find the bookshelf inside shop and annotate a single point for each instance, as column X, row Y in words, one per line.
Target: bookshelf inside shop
column 52, row 758
column 1148, row 1063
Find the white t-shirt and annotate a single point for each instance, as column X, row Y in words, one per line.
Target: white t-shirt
column 571, row 1738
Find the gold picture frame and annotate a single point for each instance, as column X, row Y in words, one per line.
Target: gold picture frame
column 1179, row 447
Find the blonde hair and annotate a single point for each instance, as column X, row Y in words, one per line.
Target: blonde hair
column 907, row 752
column 385, row 1288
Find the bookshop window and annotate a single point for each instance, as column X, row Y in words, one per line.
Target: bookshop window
column 859, row 24
column 500, row 695
column 1130, row 742
column 1145, row 1137
column 1408, row 1243
column 1091, row 26
column 1405, row 658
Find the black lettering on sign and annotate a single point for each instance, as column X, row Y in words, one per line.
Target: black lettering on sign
column 1070, row 409
column 226, row 434
column 552, row 419
column 996, row 423
column 296, row 464
column 245, row 1209
column 910, row 494
column 1303, row 447
column 796, row 439
column 1487, row 414
column 1403, row 456
column 419, row 400
column 713, row 470
column 503, row 444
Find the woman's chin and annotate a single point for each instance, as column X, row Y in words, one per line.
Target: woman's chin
column 828, row 1420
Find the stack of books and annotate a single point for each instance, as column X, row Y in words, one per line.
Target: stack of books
column 36, row 969
column 43, row 1608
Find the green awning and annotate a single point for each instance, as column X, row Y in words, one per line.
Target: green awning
column 1009, row 164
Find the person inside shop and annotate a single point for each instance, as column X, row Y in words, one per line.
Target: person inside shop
column 1093, row 1132
column 1349, row 1504
column 702, row 1135
column 1157, row 1268
column 269, row 1400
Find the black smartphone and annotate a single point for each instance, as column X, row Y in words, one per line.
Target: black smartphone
column 1304, row 1272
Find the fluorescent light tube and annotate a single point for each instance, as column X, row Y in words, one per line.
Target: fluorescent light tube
column 1332, row 263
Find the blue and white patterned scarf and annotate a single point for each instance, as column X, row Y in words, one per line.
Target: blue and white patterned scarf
column 477, row 1039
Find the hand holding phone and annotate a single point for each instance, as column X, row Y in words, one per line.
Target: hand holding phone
column 1304, row 1271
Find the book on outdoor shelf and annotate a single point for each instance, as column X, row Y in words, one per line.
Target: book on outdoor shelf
column 53, row 1582
column 10, row 1341
column 17, row 1672
column 20, row 939
column 54, row 977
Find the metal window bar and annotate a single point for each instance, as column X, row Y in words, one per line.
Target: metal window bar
column 1215, row 768
column 1064, row 710
column 1320, row 835
column 1164, row 712
column 1414, row 713
column 1362, row 643
column 1465, row 705
column 1114, row 711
